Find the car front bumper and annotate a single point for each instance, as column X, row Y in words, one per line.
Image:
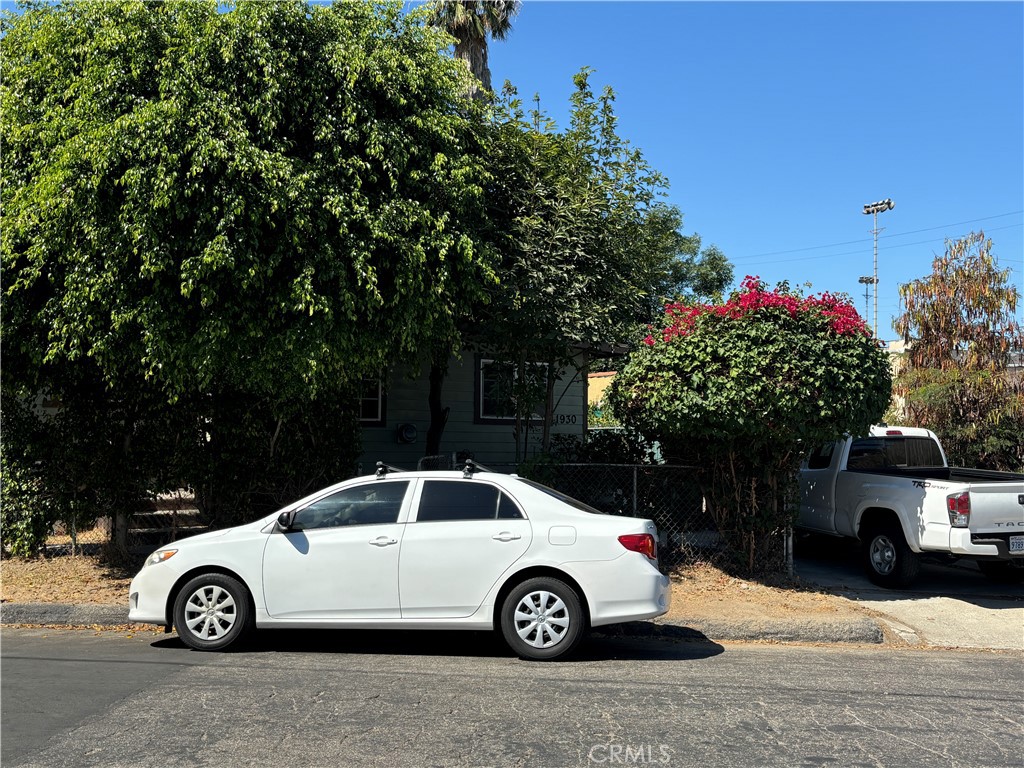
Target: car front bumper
column 148, row 593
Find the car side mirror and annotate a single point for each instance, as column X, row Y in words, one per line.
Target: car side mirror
column 284, row 521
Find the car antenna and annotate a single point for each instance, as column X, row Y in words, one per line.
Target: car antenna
column 383, row 469
column 474, row 466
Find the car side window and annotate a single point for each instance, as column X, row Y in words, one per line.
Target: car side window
column 821, row 457
column 507, row 509
column 464, row 500
column 370, row 504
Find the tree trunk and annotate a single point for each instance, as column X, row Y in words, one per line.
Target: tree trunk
column 549, row 407
column 475, row 56
column 438, row 414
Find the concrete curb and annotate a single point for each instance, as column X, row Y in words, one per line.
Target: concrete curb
column 84, row 614
column 692, row 630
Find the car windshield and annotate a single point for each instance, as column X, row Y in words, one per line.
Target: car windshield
column 575, row 503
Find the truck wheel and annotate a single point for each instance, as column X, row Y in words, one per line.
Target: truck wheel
column 1002, row 571
column 888, row 559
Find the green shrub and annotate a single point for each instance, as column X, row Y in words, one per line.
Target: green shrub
column 742, row 389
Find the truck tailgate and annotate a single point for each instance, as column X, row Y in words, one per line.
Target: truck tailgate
column 997, row 514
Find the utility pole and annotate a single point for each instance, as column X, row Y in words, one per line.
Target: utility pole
column 866, row 282
column 875, row 209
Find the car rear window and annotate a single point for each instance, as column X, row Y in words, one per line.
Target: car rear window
column 890, row 452
column 575, row 503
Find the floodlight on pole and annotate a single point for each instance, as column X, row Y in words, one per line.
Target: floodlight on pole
column 874, row 209
column 867, row 281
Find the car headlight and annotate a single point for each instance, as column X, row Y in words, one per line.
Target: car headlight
column 161, row 556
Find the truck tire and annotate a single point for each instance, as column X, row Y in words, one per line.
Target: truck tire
column 888, row 559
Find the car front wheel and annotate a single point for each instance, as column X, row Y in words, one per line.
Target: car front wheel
column 212, row 611
column 541, row 619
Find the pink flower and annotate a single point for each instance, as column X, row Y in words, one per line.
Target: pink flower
column 753, row 297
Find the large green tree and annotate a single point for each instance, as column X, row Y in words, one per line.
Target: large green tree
column 236, row 214
column 471, row 23
column 586, row 246
column 961, row 335
column 742, row 389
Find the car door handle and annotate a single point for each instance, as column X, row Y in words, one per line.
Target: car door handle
column 506, row 536
column 383, row 541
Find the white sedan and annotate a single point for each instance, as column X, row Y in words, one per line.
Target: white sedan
column 412, row 550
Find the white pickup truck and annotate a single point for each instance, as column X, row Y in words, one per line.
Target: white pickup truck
column 894, row 491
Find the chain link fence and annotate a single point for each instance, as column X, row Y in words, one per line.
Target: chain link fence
column 151, row 524
column 667, row 494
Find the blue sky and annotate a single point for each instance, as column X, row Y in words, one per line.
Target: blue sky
column 776, row 122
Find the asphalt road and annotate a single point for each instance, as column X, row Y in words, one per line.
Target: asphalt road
column 458, row 699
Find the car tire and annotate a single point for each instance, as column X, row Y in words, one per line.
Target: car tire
column 888, row 559
column 541, row 619
column 1002, row 571
column 212, row 612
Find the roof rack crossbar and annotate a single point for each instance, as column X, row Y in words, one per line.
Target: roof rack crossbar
column 474, row 466
column 383, row 469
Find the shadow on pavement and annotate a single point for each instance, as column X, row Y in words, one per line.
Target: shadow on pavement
column 833, row 565
column 595, row 647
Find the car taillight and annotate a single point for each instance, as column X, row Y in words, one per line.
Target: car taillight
column 640, row 542
column 959, row 506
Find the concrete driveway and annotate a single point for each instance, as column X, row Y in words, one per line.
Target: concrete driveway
column 951, row 606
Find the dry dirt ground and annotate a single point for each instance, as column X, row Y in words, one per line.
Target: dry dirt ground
column 699, row 591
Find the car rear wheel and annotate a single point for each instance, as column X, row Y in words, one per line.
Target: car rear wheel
column 541, row 619
column 888, row 559
column 212, row 611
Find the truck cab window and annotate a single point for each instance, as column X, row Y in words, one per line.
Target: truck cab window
column 821, row 457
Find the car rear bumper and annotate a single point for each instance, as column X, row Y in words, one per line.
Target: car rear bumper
column 629, row 588
column 993, row 546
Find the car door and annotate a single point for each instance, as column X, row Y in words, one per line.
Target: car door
column 466, row 534
column 340, row 559
column 816, row 489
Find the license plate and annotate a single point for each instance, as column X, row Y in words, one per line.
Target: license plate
column 1017, row 543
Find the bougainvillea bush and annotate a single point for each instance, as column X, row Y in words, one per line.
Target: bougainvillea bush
column 742, row 389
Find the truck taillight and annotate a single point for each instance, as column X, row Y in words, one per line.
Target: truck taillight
column 640, row 542
column 959, row 506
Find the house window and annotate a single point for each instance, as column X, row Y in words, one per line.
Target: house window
column 372, row 411
column 498, row 386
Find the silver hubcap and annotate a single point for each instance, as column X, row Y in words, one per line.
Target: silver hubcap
column 210, row 613
column 883, row 555
column 542, row 619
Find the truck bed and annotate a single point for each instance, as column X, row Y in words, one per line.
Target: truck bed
column 950, row 474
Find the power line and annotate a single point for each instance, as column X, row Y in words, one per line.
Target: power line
column 855, row 253
column 867, row 240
